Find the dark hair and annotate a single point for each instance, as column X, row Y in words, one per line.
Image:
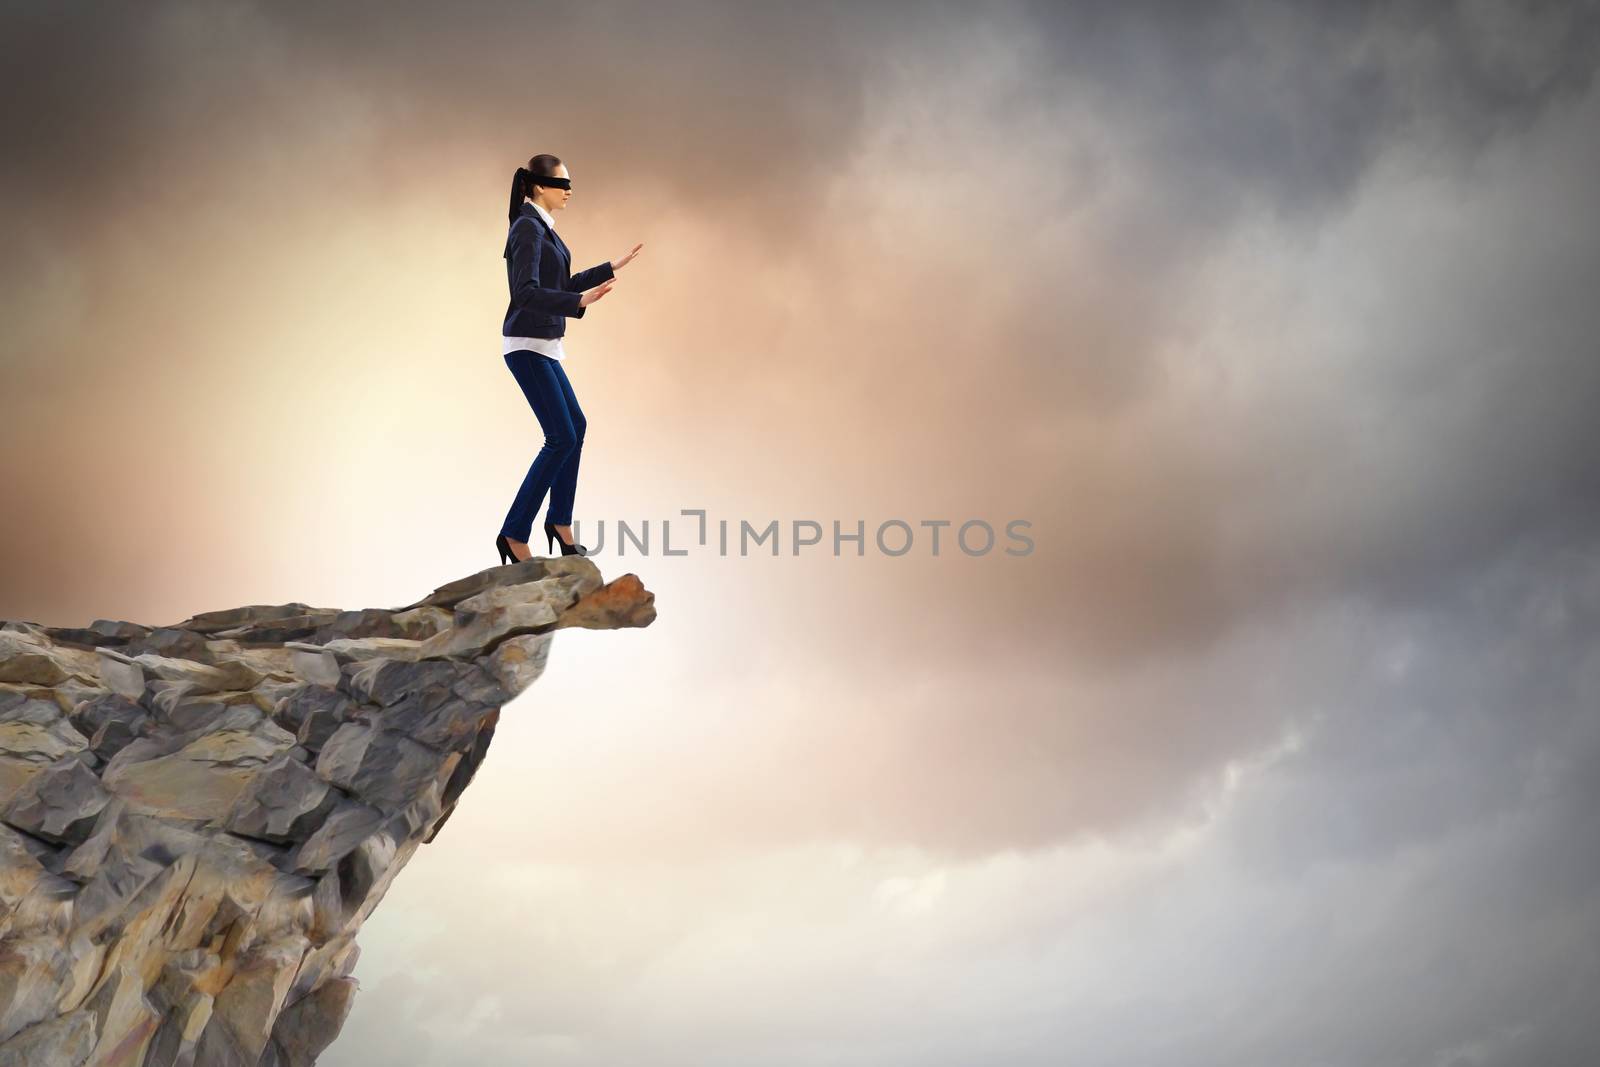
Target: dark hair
column 543, row 165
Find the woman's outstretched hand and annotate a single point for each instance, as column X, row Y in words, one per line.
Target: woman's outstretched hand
column 618, row 264
column 591, row 295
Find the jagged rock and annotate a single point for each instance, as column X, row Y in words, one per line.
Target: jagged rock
column 177, row 1039
column 126, row 1020
column 24, row 659
column 60, row 803
column 309, row 1025
column 314, row 663
column 202, row 779
column 490, row 618
column 243, row 1014
column 196, row 819
column 121, row 674
column 285, row 802
column 116, row 734
column 518, row 662
column 229, row 674
column 346, row 827
column 106, row 708
column 64, row 1041
column 384, row 768
column 18, row 706
column 173, row 642
column 26, row 748
column 210, row 622
column 314, row 712
column 621, row 603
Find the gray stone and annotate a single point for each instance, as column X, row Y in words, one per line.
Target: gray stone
column 60, row 803
column 177, row 1041
column 210, row 622
column 519, row 661
column 322, row 723
column 121, row 674
column 116, row 734
column 388, row 682
column 309, row 1025
column 243, row 1013
column 90, row 715
column 26, row 748
column 20, row 707
column 63, row 1041
column 119, row 629
column 227, row 675
column 30, row 659
column 201, row 780
column 298, row 703
column 314, row 664
column 169, row 641
column 342, row 831
column 285, row 802
column 383, row 767
column 126, row 1021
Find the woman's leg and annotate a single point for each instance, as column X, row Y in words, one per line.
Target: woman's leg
column 537, row 375
column 565, row 485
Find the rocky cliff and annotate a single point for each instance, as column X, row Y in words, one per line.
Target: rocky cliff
column 195, row 819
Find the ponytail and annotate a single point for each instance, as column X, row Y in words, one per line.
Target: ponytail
column 519, row 191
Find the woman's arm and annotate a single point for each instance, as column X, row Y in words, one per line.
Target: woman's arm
column 525, row 289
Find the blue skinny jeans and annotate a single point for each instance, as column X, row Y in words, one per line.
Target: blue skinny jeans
column 555, row 469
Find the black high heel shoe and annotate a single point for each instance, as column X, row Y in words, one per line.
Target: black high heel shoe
column 506, row 555
column 551, row 540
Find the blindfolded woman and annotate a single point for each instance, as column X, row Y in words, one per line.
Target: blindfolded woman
column 544, row 294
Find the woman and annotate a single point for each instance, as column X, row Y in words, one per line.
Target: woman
column 544, row 294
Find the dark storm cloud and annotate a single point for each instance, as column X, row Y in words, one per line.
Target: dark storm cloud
column 1249, row 111
column 1244, row 102
column 1437, row 824
column 736, row 103
column 1294, row 103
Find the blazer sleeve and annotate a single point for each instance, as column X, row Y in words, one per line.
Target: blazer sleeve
column 588, row 279
column 525, row 289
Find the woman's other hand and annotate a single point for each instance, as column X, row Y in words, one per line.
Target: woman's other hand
column 591, row 295
column 618, row 264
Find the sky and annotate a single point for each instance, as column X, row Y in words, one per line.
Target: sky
column 1274, row 324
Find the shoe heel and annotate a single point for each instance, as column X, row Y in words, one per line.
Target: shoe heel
column 566, row 550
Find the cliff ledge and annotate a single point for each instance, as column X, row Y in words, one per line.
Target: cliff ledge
column 196, row 819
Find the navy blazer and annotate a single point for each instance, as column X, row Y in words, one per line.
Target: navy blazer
column 544, row 294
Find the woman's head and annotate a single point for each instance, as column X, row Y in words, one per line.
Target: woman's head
column 550, row 197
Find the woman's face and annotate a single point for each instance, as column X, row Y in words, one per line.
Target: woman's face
column 548, row 196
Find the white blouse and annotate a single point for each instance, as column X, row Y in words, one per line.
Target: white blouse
column 549, row 346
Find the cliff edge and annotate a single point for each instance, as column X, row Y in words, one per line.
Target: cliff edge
column 196, row 819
